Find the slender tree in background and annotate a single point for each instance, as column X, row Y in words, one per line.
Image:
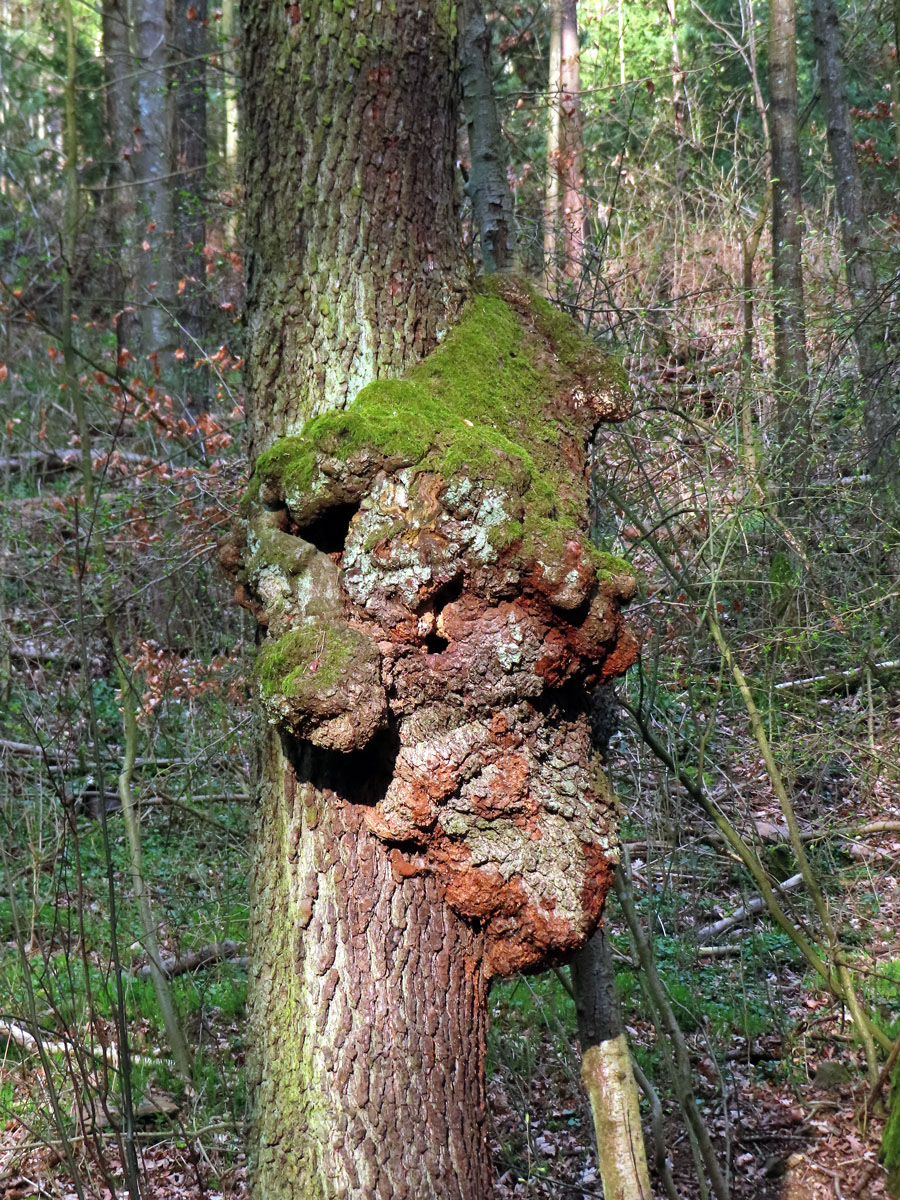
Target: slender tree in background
column 791, row 373
column 894, row 68
column 677, row 73
column 190, row 193
column 380, row 909
column 868, row 337
column 154, row 231
column 492, row 205
column 564, row 210
column 554, row 145
column 119, row 121
column 607, row 1075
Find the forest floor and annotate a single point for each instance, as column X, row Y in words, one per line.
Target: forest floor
column 778, row 1074
column 785, row 1100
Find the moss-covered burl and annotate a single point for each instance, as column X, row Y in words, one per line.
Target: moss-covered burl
column 421, row 563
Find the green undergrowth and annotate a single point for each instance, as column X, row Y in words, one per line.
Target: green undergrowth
column 196, row 872
column 480, row 405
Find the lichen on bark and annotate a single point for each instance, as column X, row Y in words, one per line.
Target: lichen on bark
column 422, row 565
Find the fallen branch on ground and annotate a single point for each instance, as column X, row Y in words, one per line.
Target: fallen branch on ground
column 20, row 1036
column 839, row 681
column 194, row 960
column 746, row 910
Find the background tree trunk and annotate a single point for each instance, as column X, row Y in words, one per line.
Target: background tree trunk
column 607, row 1074
column 492, row 204
column 564, row 235
column 552, row 199
column 854, row 233
column 787, row 265
column 572, row 162
column 189, row 190
column 118, row 114
column 154, row 232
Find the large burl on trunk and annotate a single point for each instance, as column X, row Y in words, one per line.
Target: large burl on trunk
column 436, row 614
column 414, row 543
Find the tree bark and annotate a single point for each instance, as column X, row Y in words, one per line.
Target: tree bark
column 416, row 753
column 791, row 372
column 489, row 187
column 564, row 236
column 118, row 113
column 367, row 1000
column 607, row 1074
column 354, row 266
column 154, row 231
column 189, row 191
column 855, row 239
column 368, row 1006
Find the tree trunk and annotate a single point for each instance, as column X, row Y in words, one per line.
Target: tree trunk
column 677, row 75
column 607, row 1074
column 854, row 232
column 573, row 208
column 489, row 187
column 118, row 112
column 428, row 816
column 890, row 1148
column 565, row 146
column 787, row 265
column 154, row 218
column 189, row 191
column 368, row 1006
column 554, row 147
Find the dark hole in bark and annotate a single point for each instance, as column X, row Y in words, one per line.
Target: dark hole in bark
column 435, row 644
column 362, row 776
column 567, row 702
column 328, row 532
column 575, row 616
column 446, row 594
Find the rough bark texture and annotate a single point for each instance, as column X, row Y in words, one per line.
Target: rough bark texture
column 368, row 1002
column 787, row 264
column 422, row 566
column 854, row 232
column 354, row 269
column 429, row 601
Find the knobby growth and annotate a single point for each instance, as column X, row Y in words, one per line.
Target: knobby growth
column 422, row 566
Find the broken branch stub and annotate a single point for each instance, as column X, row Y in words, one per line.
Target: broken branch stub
column 422, row 565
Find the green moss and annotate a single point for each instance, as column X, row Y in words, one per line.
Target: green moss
column 308, row 659
column 609, row 565
column 277, row 549
column 477, row 406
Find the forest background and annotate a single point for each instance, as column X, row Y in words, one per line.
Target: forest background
column 754, row 491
